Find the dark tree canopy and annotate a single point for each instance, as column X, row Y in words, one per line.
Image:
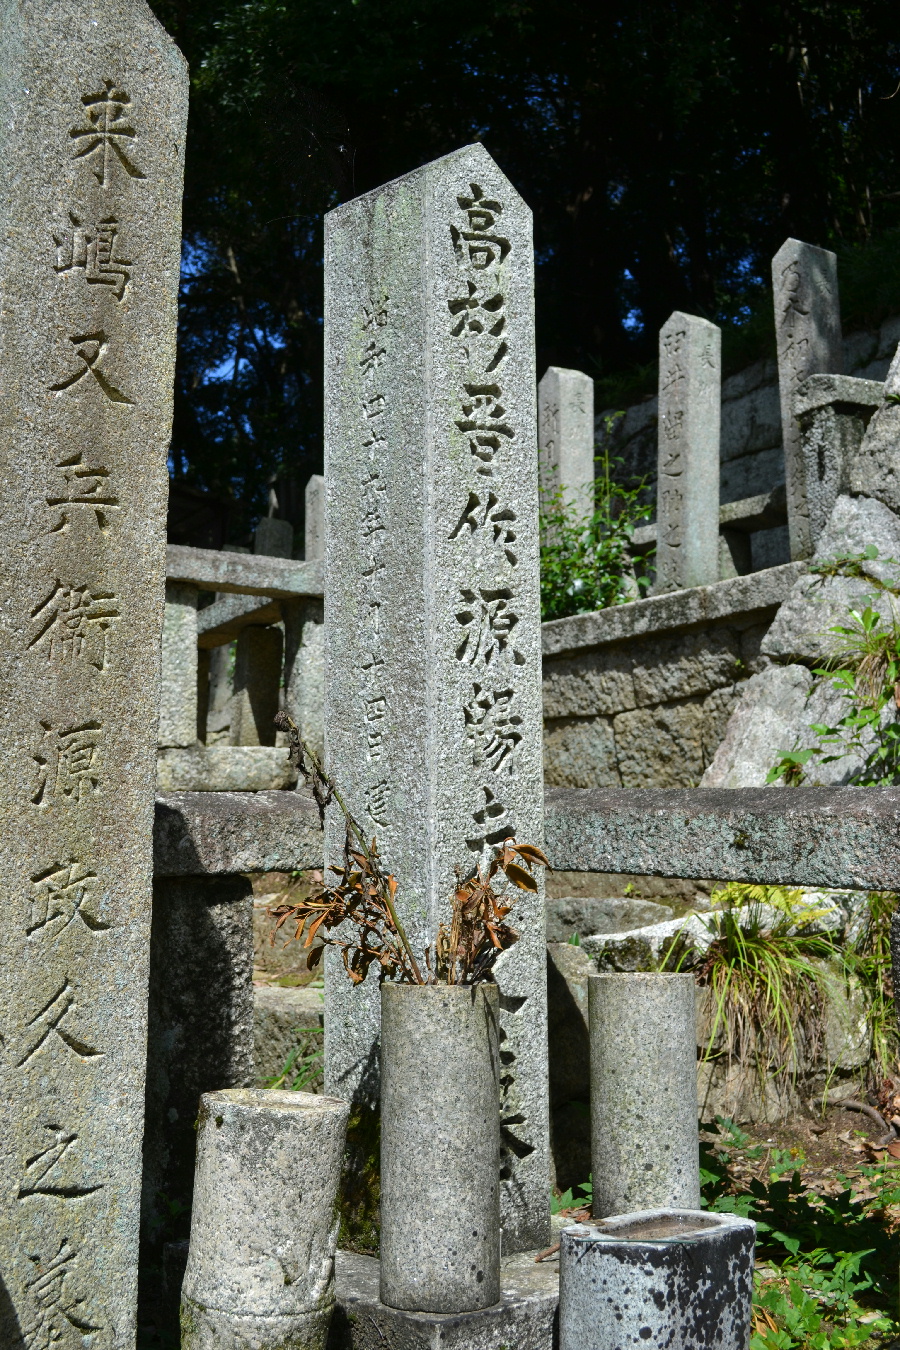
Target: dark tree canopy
column 666, row 149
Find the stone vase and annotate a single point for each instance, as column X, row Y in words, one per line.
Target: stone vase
column 440, row 1147
column 664, row 1277
column 260, row 1270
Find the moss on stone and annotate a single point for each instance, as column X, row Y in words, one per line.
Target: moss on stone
column 360, row 1195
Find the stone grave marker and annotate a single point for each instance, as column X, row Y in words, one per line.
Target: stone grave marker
column 687, row 504
column 566, row 438
column 433, row 656
column 808, row 335
column 94, row 102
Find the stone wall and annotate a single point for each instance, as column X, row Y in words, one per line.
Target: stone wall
column 639, row 695
column 752, row 458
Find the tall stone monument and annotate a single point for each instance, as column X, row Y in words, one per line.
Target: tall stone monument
column 94, row 100
column 433, row 655
column 687, row 503
column 566, row 439
column 808, row 334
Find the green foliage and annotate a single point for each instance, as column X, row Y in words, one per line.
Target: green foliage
column 764, row 976
column 585, row 562
column 303, row 1067
column 866, row 669
column 576, row 1197
column 868, row 957
column 826, row 1264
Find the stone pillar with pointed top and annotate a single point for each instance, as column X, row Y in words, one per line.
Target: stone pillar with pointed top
column 687, row 501
column 808, row 335
column 432, row 608
column 94, row 109
column 566, row 439
column 304, row 634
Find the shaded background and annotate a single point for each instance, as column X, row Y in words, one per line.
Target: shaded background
column 666, row 150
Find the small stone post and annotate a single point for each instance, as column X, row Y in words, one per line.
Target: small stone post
column 808, row 335
column 315, row 517
column 260, row 1271
column 178, row 699
column 687, row 492
column 644, row 1141
column 440, row 1143
column 94, row 109
column 274, row 538
column 874, row 466
column 257, row 677
column 432, row 607
column 566, row 438
column 832, row 413
column 304, row 635
column 667, row 1277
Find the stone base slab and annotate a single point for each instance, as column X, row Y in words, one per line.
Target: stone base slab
column 526, row 1317
column 224, row 768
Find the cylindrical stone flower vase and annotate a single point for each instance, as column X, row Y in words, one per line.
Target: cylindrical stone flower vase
column 645, row 1151
column 260, row 1271
column 440, row 1147
column 663, row 1277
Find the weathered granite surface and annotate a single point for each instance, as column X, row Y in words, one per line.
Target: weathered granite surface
column 525, row 1317
column 94, row 105
column 687, row 500
column 583, row 914
column 221, row 621
column 700, row 605
column 285, row 1020
column 224, row 768
column 818, row 602
column 771, row 708
column 433, row 660
column 178, row 693
column 832, row 413
column 835, row 837
column 203, row 833
column 257, row 682
column 314, row 522
column 243, row 573
column 808, row 336
column 874, row 470
column 566, row 438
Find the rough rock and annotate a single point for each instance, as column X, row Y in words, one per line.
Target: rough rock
column 285, row 1021
column 770, row 711
column 586, row 915
column 874, row 470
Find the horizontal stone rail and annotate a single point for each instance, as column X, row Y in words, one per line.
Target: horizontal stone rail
column 762, row 512
column 834, row 837
column 677, row 609
column 244, row 573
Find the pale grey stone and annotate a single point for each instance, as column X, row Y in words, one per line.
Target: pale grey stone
column 680, row 667
column 832, row 413
column 440, row 1143
column 765, row 723
column 580, row 752
column 221, row 622
column 687, row 502
column 210, row 833
column 837, row 837
column 433, row 660
column 699, row 605
column 178, row 695
column 818, row 602
column 717, row 709
column 586, row 914
column 752, row 473
column 219, row 694
column 751, row 419
column 664, row 1277
column 314, row 505
column 645, row 1149
column 238, row 573
column 808, row 335
column 260, row 1271
column 592, row 682
column 274, row 538
column 224, row 768
column 200, row 1029
column 735, row 554
column 286, row 1021
column 257, row 681
column 304, row 669
column 524, row 1317
column 566, row 439
column 643, row 949
column 661, row 746
column 87, row 348
column 874, row 470
column 761, row 374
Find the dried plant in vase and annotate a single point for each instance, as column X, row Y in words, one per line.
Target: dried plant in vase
column 358, row 915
